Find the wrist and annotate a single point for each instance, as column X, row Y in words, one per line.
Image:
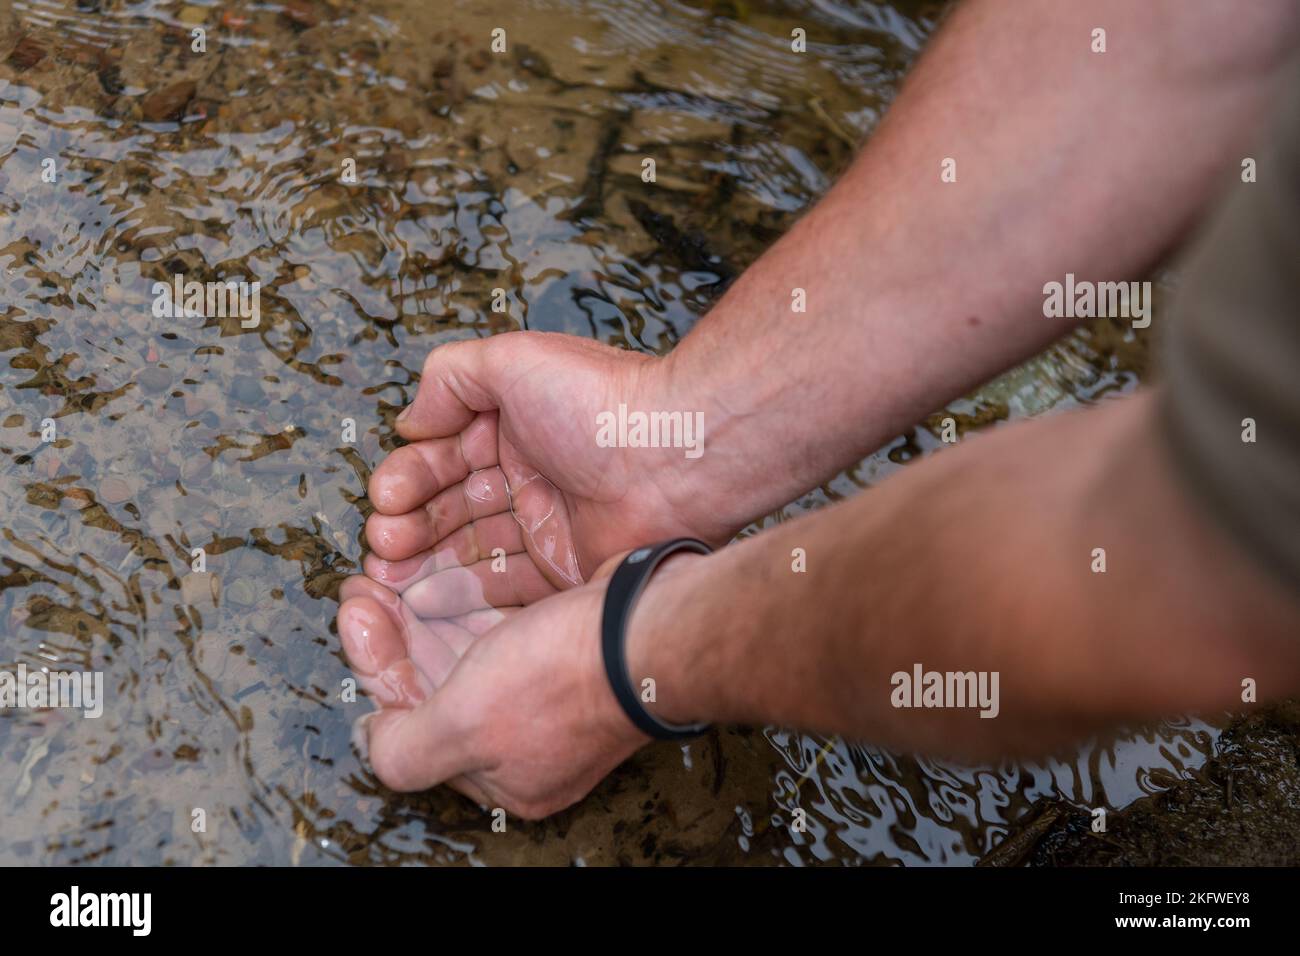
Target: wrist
column 688, row 479
column 659, row 644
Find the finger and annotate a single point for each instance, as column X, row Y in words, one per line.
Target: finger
column 458, row 591
column 433, row 652
column 480, row 495
column 358, row 585
column 544, row 517
column 378, row 654
column 370, row 644
column 477, row 541
column 414, row 473
column 458, row 381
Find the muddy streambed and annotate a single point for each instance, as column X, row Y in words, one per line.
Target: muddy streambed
column 474, row 171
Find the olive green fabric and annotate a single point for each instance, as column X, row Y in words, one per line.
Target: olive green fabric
column 1233, row 353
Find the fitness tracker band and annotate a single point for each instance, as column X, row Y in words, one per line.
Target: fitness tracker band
column 624, row 588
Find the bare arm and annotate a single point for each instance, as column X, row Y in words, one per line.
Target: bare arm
column 979, row 558
column 918, row 290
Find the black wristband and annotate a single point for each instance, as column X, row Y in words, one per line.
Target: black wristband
column 624, row 588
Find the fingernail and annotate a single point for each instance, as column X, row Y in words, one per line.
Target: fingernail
column 403, row 413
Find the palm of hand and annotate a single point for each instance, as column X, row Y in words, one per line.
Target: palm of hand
column 509, row 499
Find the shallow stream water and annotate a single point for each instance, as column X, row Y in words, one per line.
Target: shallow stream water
column 474, row 171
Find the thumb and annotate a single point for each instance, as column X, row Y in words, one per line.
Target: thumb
column 459, row 380
column 418, row 748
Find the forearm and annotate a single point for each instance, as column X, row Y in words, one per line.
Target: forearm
column 978, row 559
column 918, row 290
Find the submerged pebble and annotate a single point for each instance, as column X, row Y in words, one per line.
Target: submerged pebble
column 169, row 102
column 247, row 390
column 114, row 490
column 242, row 593
column 198, row 587
column 155, row 379
column 27, row 53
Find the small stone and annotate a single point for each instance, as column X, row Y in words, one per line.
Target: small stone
column 198, row 586
column 154, row 379
column 168, row 103
column 350, row 372
column 193, row 15
column 26, row 54
column 247, row 390
column 114, row 490
column 196, row 466
column 153, row 760
column 242, row 594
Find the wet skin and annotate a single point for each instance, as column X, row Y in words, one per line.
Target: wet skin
column 502, row 498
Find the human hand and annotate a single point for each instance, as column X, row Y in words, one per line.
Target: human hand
column 509, row 706
column 503, row 455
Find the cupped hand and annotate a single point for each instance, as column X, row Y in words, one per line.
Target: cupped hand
column 510, row 706
column 503, row 495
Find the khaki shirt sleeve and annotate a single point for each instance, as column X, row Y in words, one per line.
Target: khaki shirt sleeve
column 1233, row 355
